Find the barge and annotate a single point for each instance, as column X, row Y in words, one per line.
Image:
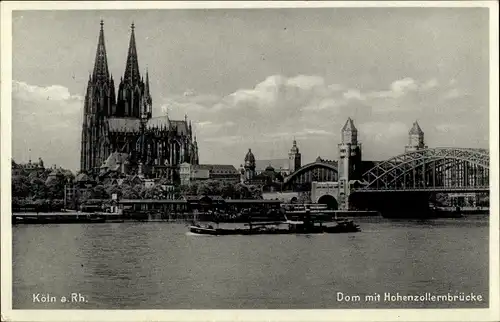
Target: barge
column 306, row 226
column 60, row 218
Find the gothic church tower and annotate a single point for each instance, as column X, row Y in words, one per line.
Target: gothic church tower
column 122, row 127
column 99, row 103
column 134, row 99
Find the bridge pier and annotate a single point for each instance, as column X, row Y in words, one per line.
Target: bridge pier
column 339, row 191
column 463, row 199
column 393, row 204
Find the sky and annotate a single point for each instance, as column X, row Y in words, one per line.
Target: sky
column 258, row 78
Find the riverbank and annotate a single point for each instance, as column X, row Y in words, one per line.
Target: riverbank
column 82, row 217
column 73, row 217
column 356, row 213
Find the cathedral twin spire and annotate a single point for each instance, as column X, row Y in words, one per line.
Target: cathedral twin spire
column 101, row 71
column 105, row 113
column 132, row 75
column 132, row 88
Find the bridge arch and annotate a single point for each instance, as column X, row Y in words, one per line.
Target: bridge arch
column 435, row 168
column 328, row 200
column 319, row 171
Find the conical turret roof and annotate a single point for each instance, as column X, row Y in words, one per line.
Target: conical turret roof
column 416, row 130
column 349, row 126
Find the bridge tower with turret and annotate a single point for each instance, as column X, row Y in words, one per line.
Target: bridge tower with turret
column 349, row 164
column 415, row 139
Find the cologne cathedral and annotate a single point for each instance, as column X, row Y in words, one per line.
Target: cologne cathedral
column 119, row 132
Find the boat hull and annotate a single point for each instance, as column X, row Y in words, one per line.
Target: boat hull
column 57, row 219
column 339, row 229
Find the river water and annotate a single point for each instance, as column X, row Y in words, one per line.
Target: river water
column 136, row 265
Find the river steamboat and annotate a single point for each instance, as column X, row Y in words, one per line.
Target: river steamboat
column 307, row 224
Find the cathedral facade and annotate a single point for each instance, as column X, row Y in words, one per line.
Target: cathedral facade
column 123, row 124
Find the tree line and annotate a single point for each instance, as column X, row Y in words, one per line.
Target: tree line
column 40, row 189
column 226, row 190
column 44, row 190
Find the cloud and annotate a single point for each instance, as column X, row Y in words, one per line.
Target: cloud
column 402, row 86
column 204, row 124
column 177, row 107
column 430, row 84
column 314, row 132
column 450, row 128
column 354, row 94
column 328, row 103
column 226, row 140
column 268, row 116
column 306, row 82
column 265, row 118
column 48, row 121
column 385, row 129
column 188, row 93
column 24, row 91
column 452, row 94
column 397, row 89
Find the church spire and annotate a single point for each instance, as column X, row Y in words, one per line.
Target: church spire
column 146, row 88
column 132, row 74
column 101, row 72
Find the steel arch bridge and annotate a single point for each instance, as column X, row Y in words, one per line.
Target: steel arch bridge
column 434, row 169
column 315, row 171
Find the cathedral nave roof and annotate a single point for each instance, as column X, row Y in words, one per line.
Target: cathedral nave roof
column 159, row 122
column 121, row 124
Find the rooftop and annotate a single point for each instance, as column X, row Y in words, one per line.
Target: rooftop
column 181, row 126
column 122, row 124
column 277, row 164
column 128, row 124
column 198, row 198
column 114, row 161
column 216, row 168
column 160, row 122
